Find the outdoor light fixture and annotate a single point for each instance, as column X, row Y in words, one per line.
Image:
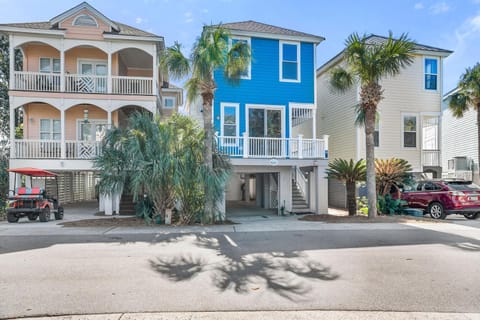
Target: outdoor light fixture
column 85, row 116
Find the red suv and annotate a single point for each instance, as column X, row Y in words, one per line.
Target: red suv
column 440, row 198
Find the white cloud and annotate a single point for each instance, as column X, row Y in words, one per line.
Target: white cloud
column 206, row 10
column 439, row 7
column 138, row 20
column 188, row 17
column 419, row 6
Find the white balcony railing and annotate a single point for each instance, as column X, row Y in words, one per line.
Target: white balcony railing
column 36, row 81
column 132, row 85
column 52, row 149
column 431, row 158
column 291, row 148
column 81, row 83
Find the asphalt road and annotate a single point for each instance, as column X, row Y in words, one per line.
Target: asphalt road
column 411, row 269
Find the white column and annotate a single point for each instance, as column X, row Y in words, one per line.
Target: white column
column 12, row 60
column 312, row 189
column 314, row 123
column 107, row 203
column 12, row 130
column 109, row 73
column 285, row 189
column 155, row 70
column 246, row 145
column 300, row 146
column 325, row 139
column 109, row 119
column 62, row 69
column 62, row 134
column 321, row 188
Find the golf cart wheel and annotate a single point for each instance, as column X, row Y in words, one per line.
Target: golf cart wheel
column 32, row 217
column 435, row 209
column 45, row 214
column 59, row 213
column 472, row 215
column 12, row 218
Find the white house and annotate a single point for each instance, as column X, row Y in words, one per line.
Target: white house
column 408, row 126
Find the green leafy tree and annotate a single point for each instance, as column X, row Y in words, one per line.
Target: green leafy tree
column 468, row 96
column 210, row 52
column 348, row 172
column 368, row 62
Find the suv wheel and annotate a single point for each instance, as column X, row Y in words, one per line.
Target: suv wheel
column 32, row 216
column 435, row 209
column 59, row 213
column 45, row 214
column 12, row 218
column 472, row 215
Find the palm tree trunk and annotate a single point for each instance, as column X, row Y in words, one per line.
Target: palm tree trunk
column 370, row 158
column 351, row 201
column 208, row 155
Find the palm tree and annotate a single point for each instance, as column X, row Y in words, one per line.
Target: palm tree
column 468, row 97
column 350, row 173
column 210, row 52
column 390, row 173
column 368, row 62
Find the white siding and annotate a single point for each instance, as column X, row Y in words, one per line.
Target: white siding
column 336, row 117
column 459, row 137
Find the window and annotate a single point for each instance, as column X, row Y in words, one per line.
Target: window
column 229, row 120
column 168, row 102
column 409, row 131
column 376, row 133
column 289, row 61
column 50, row 129
column 246, row 74
column 50, row 65
column 431, row 74
column 84, row 20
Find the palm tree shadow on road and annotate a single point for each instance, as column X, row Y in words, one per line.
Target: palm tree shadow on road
column 285, row 273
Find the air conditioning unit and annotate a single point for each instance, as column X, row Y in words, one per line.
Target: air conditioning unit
column 460, row 168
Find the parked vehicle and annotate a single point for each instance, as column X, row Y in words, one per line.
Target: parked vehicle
column 443, row 197
column 33, row 202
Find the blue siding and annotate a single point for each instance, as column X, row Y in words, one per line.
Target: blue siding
column 265, row 86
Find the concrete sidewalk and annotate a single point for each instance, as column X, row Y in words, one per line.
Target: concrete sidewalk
column 274, row 315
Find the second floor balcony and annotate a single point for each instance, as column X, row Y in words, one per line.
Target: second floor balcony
column 81, row 83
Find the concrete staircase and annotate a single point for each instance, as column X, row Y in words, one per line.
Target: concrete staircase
column 127, row 206
column 299, row 204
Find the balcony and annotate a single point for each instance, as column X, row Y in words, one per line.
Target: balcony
column 281, row 148
column 52, row 149
column 431, row 158
column 80, row 83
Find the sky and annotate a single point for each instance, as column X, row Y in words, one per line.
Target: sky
column 447, row 24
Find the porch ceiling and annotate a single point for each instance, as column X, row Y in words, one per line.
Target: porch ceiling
column 135, row 58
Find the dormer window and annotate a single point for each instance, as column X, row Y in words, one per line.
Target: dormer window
column 85, row 20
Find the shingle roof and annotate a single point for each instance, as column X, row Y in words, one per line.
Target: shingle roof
column 376, row 39
column 125, row 30
column 253, row 26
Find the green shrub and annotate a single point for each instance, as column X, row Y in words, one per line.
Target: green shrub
column 362, row 205
column 144, row 209
column 387, row 205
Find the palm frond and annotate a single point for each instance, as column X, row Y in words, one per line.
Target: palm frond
column 459, row 104
column 173, row 63
column 347, row 171
column 238, row 61
column 341, row 80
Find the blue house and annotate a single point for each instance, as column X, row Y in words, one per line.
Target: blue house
column 266, row 123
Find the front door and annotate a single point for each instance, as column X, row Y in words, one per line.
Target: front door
column 94, row 77
column 90, row 134
column 265, row 129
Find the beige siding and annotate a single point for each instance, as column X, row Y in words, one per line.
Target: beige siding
column 305, row 128
column 459, row 137
column 336, row 117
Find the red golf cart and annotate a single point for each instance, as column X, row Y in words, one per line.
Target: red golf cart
column 33, row 202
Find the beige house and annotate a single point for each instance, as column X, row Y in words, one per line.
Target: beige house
column 82, row 73
column 408, row 125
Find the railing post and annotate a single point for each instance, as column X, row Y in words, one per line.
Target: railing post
column 246, row 146
column 62, row 69
column 300, row 146
column 325, row 143
column 12, row 61
column 109, row 73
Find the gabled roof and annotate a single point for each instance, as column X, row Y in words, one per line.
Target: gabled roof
column 267, row 29
column 81, row 6
column 376, row 39
column 117, row 27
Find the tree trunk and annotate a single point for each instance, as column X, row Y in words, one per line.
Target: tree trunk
column 351, row 201
column 208, row 155
column 370, row 159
